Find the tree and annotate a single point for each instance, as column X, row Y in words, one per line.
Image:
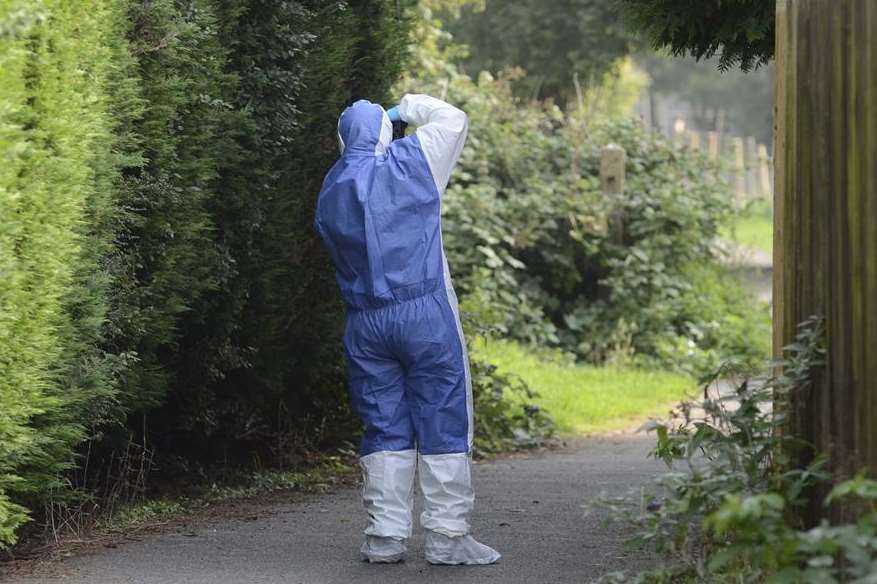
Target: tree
column 552, row 41
column 741, row 32
column 744, row 100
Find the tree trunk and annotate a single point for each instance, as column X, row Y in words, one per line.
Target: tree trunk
column 826, row 221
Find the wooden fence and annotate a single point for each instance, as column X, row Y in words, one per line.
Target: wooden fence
column 747, row 165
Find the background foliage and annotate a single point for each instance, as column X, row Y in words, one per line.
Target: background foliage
column 551, row 41
column 533, row 248
column 739, row 32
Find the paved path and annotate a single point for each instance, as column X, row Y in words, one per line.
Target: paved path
column 528, row 507
column 754, row 268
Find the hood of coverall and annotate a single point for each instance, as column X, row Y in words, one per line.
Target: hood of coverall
column 364, row 128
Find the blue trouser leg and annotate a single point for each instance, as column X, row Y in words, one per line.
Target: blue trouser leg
column 437, row 380
column 435, row 376
column 388, row 455
column 377, row 387
column 409, row 384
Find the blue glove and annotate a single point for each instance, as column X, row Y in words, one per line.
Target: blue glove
column 393, row 114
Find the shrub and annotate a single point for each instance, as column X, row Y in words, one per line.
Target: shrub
column 160, row 281
column 257, row 368
column 535, row 251
column 727, row 512
column 166, row 257
column 56, row 199
column 506, row 417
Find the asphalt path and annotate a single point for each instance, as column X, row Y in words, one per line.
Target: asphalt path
column 529, row 507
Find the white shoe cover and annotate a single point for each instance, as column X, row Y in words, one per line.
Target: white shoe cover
column 383, row 550
column 441, row 549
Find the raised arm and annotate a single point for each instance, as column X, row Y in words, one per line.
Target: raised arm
column 441, row 129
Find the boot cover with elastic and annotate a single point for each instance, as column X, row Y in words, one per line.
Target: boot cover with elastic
column 464, row 549
column 383, row 550
column 388, row 492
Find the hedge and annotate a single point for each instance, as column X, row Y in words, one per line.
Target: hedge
column 160, row 285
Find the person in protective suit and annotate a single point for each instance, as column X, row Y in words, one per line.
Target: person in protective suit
column 378, row 213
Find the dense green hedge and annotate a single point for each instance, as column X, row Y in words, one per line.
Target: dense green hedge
column 56, row 189
column 160, row 284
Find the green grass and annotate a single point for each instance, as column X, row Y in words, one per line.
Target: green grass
column 754, row 228
column 586, row 399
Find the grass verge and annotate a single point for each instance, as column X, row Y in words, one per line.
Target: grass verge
column 260, row 483
column 754, row 227
column 585, row 399
column 108, row 523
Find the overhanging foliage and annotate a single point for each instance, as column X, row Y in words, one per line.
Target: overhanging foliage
column 739, row 32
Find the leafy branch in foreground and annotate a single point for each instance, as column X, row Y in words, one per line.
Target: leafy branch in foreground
column 740, row 32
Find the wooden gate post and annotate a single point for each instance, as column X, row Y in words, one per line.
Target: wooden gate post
column 613, row 159
column 739, row 173
column 826, row 221
column 764, row 189
column 751, row 168
column 713, row 145
column 679, row 128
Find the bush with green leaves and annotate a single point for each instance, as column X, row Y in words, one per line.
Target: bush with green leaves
column 223, row 291
column 555, row 42
column 266, row 377
column 536, row 251
column 727, row 511
column 507, row 418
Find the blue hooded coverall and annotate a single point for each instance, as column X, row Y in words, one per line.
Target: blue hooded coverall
column 379, row 214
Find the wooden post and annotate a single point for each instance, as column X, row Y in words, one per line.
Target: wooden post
column 679, row 131
column 764, row 189
column 826, row 223
column 612, row 174
column 694, row 140
column 784, row 61
column 739, row 172
column 752, row 168
column 713, row 145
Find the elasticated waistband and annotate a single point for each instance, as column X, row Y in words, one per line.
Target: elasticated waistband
column 361, row 302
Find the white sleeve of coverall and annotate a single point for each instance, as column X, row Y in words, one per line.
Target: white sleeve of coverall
column 441, row 130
